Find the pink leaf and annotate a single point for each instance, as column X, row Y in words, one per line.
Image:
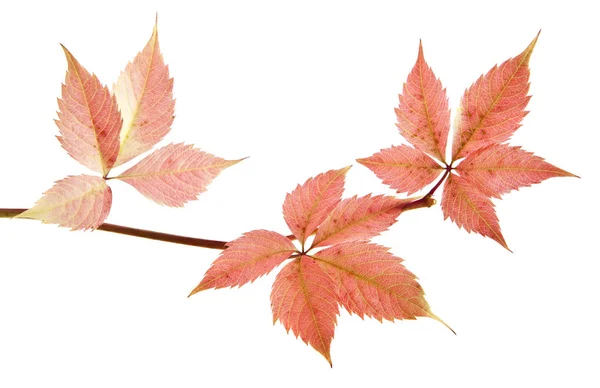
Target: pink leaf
column 498, row 169
column 76, row 202
column 89, row 120
column 303, row 299
column 493, row 107
column 144, row 92
column 470, row 209
column 403, row 168
column 373, row 282
column 357, row 219
column 254, row 254
column 309, row 204
column 175, row 174
column 423, row 114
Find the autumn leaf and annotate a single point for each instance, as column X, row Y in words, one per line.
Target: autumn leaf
column 373, row 282
column 403, row 168
column 423, row 114
column 308, row 205
column 247, row 258
column 304, row 300
column 357, row 219
column 470, row 209
column 362, row 277
column 498, row 169
column 76, row 202
column 90, row 125
column 491, row 111
column 175, row 174
column 144, row 92
column 89, row 120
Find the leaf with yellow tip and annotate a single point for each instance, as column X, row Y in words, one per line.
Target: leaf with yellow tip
column 491, row 110
column 373, row 282
column 303, row 298
column 144, row 92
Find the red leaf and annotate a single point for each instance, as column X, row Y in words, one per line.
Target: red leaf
column 470, row 209
column 76, row 202
column 359, row 219
column 492, row 108
column 423, row 114
column 498, row 169
column 304, row 300
column 144, row 92
column 403, row 168
column 175, row 174
column 89, row 120
column 373, row 282
column 247, row 258
column 309, row 204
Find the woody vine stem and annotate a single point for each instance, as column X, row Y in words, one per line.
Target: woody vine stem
column 425, row 201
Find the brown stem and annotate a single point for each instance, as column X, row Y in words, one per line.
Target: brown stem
column 425, row 201
column 172, row 238
column 439, row 183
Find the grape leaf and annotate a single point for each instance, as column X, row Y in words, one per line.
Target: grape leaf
column 89, row 120
column 308, row 291
column 144, row 92
column 491, row 111
column 76, row 202
column 175, row 174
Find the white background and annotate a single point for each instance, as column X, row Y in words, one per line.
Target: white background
column 301, row 88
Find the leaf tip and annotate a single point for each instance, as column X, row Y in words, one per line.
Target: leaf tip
column 155, row 29
column 502, row 242
column 363, row 161
column 432, row 315
column 527, row 52
column 199, row 287
column 67, row 53
column 420, row 55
